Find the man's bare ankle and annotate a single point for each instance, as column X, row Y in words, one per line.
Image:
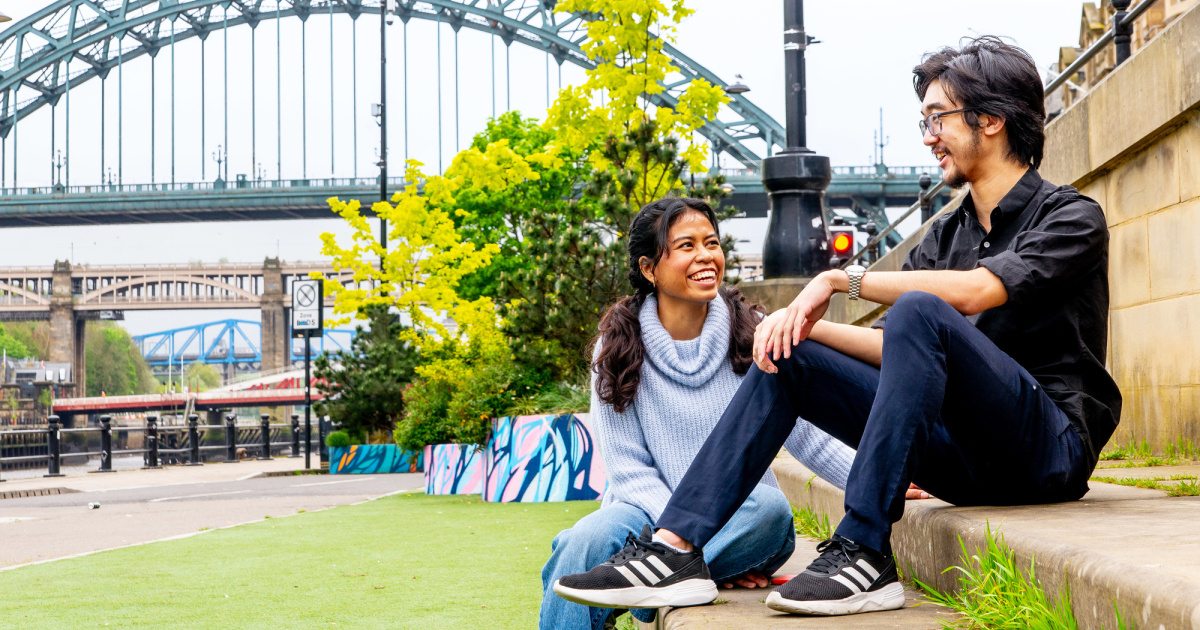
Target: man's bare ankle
column 675, row 541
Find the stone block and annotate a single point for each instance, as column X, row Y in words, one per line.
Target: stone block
column 1189, row 158
column 1154, row 344
column 1159, row 415
column 1146, row 183
column 1128, row 264
column 1175, row 250
column 1067, row 155
column 1185, row 35
column 1097, row 190
column 1134, row 102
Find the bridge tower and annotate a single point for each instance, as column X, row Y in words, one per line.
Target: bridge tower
column 275, row 342
column 67, row 341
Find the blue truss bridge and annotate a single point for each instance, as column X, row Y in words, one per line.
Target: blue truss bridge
column 233, row 346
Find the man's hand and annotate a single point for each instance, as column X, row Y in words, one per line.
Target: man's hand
column 752, row 579
column 785, row 328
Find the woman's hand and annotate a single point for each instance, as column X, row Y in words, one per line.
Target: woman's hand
column 914, row 492
column 778, row 332
column 752, row 579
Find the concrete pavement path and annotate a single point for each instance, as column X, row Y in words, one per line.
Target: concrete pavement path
column 142, row 506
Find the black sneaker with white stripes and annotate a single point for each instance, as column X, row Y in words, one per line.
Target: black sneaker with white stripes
column 845, row 579
column 644, row 574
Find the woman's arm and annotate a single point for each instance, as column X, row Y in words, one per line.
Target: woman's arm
column 864, row 344
column 632, row 474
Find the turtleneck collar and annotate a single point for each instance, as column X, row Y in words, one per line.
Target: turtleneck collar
column 692, row 362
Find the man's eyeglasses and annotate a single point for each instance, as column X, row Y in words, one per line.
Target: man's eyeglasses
column 933, row 122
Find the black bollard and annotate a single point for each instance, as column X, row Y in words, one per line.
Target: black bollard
column 105, row 445
column 266, row 438
column 295, row 435
column 52, row 439
column 151, row 443
column 322, row 431
column 231, row 439
column 194, row 441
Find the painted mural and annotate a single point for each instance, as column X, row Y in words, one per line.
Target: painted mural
column 366, row 459
column 542, row 458
column 453, row 469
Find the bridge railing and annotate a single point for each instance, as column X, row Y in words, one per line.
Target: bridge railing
column 172, row 444
column 216, row 186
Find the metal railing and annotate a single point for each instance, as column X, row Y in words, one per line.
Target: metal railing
column 192, row 448
column 235, row 185
column 1120, row 33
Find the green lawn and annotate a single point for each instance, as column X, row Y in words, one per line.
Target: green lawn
column 407, row 561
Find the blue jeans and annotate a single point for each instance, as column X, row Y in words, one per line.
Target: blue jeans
column 760, row 536
column 947, row 410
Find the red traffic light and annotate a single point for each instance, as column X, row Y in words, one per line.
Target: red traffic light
column 842, row 243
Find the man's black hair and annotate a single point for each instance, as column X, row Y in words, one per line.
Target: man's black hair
column 988, row 76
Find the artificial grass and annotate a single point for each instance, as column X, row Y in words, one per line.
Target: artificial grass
column 405, row 561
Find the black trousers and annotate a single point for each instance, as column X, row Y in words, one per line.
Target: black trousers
column 947, row 410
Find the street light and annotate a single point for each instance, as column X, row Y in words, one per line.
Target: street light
column 379, row 110
column 797, row 243
column 738, row 87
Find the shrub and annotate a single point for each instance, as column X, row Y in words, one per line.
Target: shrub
column 338, row 438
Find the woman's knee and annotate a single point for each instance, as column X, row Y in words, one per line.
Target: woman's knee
column 772, row 507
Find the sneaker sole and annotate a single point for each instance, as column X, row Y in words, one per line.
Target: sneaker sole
column 890, row 597
column 695, row 592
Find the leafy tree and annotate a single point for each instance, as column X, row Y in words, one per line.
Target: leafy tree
column 364, row 386
column 201, row 376
column 114, row 364
column 13, row 346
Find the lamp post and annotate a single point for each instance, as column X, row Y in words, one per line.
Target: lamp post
column 385, row 7
column 797, row 243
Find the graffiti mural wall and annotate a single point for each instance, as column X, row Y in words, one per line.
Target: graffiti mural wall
column 542, row 458
column 528, row 459
column 453, row 469
column 367, row 459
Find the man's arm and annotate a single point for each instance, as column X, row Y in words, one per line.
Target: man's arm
column 969, row 292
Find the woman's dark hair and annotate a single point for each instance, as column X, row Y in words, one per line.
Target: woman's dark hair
column 618, row 366
column 988, row 76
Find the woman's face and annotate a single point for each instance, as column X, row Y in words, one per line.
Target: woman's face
column 692, row 264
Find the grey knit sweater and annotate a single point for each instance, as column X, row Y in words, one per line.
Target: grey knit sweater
column 684, row 388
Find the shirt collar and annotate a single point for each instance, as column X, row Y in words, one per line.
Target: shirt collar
column 1011, row 205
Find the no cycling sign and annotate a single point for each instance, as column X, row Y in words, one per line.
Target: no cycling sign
column 308, row 306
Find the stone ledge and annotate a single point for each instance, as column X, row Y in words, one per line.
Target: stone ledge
column 1109, row 546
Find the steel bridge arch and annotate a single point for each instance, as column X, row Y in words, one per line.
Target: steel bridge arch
column 34, row 51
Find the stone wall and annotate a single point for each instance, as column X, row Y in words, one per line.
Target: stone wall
column 1133, row 145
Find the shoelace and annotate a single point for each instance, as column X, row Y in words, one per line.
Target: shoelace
column 830, row 551
column 634, row 548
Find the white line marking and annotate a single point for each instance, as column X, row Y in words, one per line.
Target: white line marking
column 196, row 496
column 329, row 483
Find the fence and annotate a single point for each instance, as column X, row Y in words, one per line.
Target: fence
column 185, row 444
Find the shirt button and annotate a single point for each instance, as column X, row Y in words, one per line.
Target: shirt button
column 986, row 244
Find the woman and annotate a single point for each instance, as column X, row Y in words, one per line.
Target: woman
column 666, row 364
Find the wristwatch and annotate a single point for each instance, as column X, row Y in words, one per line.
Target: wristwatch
column 855, row 272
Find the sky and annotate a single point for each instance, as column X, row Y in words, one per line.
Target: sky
column 860, row 69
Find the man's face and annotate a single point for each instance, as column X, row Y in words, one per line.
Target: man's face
column 956, row 148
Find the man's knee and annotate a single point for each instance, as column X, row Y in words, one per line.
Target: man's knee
column 915, row 307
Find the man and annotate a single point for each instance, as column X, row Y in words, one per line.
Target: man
column 985, row 384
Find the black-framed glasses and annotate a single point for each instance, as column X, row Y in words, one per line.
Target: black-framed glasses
column 933, row 122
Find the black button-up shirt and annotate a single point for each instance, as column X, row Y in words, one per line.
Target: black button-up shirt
column 1049, row 247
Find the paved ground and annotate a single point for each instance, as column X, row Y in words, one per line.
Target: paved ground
column 743, row 608
column 140, row 506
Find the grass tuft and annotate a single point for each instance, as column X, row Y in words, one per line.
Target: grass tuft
column 812, row 525
column 995, row 593
column 1184, row 486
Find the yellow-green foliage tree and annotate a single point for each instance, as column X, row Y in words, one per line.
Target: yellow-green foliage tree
column 626, row 39
column 423, row 265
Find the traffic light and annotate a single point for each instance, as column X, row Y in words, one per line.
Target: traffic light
column 841, row 241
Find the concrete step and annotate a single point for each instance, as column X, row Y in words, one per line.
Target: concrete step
column 1136, row 547
column 743, row 608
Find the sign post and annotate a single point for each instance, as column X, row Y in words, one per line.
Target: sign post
column 308, row 314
